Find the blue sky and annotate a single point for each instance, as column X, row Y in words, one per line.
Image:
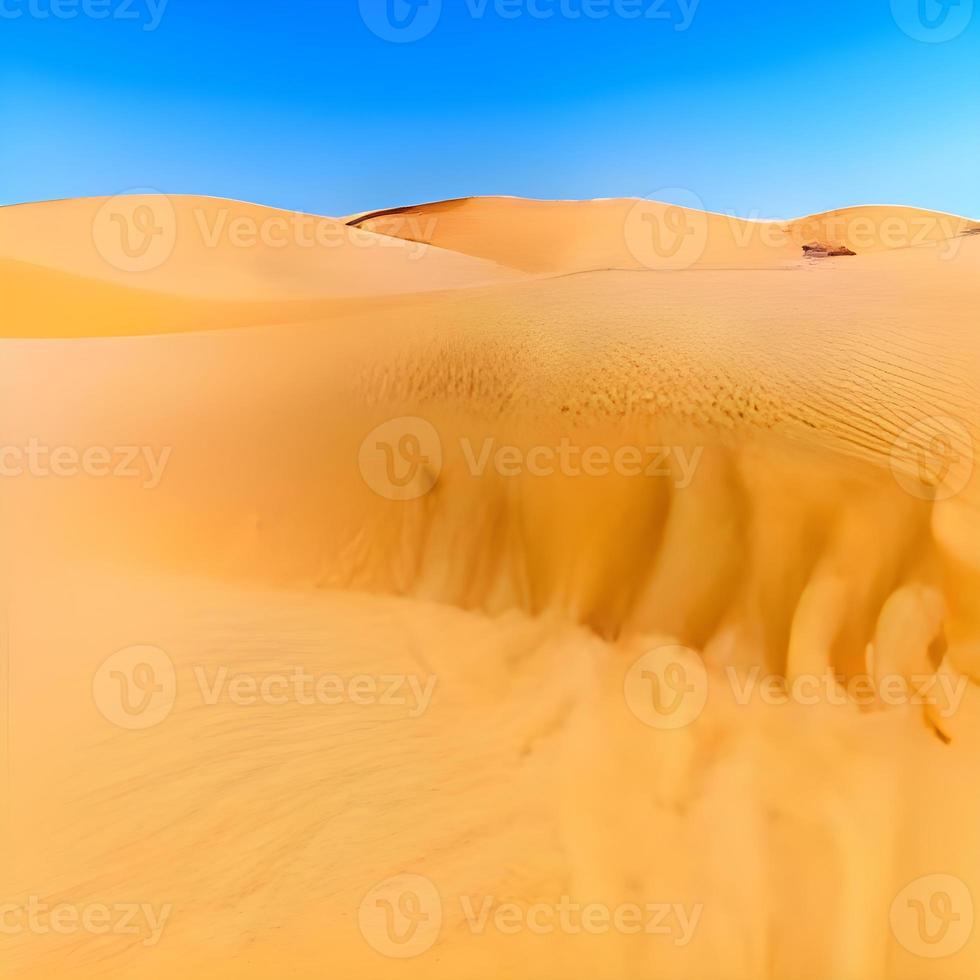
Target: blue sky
column 766, row 108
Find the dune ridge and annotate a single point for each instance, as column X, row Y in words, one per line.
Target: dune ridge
column 806, row 504
column 232, row 253
column 563, row 236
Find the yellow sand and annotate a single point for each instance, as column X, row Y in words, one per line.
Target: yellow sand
column 785, row 527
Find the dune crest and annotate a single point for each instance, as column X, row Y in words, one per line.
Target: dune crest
column 148, row 258
column 155, row 264
column 576, row 236
column 509, row 465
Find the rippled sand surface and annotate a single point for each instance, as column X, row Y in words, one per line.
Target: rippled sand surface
column 488, row 588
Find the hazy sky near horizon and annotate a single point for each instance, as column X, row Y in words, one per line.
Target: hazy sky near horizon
column 762, row 109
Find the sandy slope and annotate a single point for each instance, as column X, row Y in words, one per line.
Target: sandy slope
column 575, row 236
column 786, row 531
column 200, row 260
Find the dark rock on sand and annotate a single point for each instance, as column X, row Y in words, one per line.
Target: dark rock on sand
column 821, row 250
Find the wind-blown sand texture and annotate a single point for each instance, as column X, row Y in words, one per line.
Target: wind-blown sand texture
column 708, row 440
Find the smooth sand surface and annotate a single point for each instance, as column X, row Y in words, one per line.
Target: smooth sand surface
column 152, row 264
column 356, row 477
column 575, row 236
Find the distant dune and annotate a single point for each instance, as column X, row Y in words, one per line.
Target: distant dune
column 69, row 268
column 508, row 447
column 65, row 268
column 577, row 236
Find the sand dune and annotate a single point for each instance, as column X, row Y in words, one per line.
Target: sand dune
column 361, row 475
column 184, row 251
column 577, row 236
column 154, row 264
